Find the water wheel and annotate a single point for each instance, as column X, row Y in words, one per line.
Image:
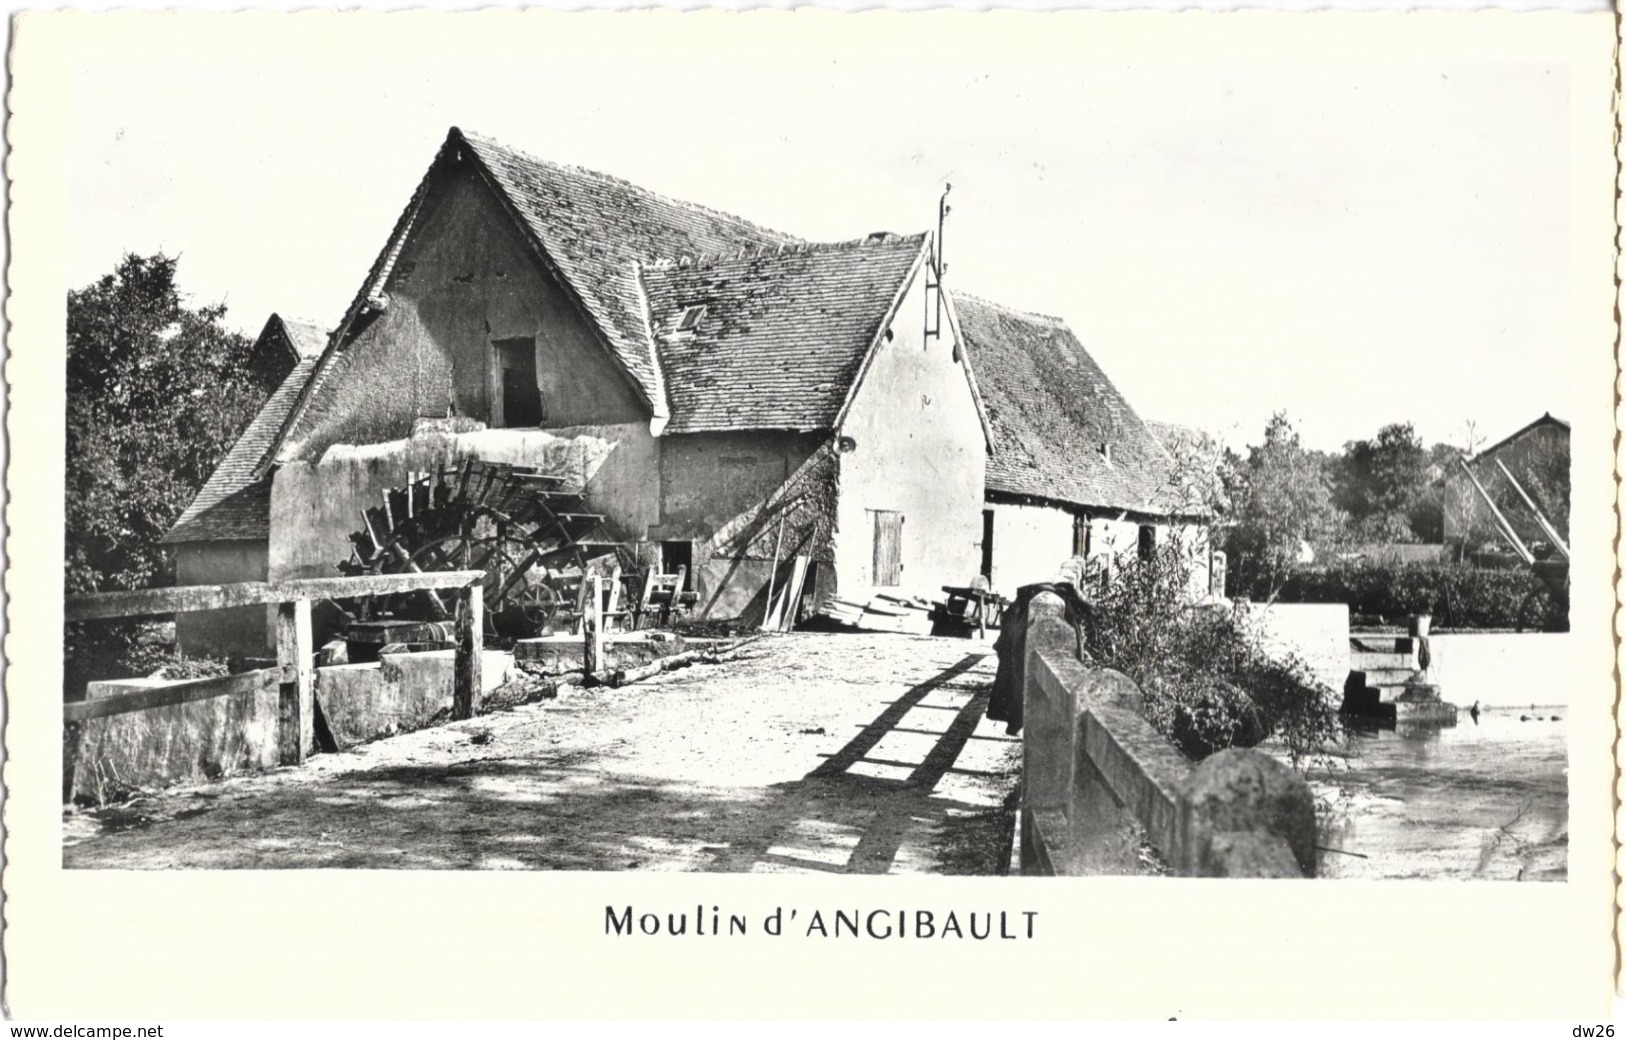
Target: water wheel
column 531, row 536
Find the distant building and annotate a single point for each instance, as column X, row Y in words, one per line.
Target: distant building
column 1537, row 456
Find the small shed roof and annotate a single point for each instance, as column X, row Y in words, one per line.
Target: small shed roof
column 233, row 502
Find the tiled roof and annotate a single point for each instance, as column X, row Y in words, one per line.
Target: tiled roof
column 233, row 504
column 1173, row 435
column 595, row 229
column 1545, row 420
column 1052, row 410
column 782, row 334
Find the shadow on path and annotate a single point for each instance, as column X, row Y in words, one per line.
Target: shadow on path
column 868, row 808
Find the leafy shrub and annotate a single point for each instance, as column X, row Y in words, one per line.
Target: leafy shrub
column 1456, row 595
column 125, row 650
column 1207, row 682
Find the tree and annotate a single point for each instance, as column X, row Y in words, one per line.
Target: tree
column 156, row 393
column 1382, row 482
column 1282, row 503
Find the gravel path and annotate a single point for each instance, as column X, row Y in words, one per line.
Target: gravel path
column 848, row 753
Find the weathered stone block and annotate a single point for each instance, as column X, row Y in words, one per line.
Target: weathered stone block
column 403, row 692
column 95, row 691
column 1246, row 792
column 181, row 743
column 559, row 655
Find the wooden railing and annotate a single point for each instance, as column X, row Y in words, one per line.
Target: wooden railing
column 295, row 668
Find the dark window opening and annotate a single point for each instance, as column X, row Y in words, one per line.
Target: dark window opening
column 1148, row 542
column 678, row 554
column 1082, row 536
column 691, row 317
column 516, row 371
column 987, row 544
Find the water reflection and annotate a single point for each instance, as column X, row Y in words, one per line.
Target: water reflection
column 1486, row 798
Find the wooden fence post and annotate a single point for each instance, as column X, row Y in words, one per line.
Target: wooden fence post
column 598, row 622
column 294, row 653
column 470, row 658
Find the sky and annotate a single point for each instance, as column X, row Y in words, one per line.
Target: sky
column 1337, row 220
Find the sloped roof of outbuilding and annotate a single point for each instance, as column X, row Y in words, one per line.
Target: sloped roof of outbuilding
column 1545, row 420
column 1061, row 430
column 234, row 502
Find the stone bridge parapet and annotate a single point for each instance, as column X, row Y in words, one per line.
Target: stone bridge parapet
column 1098, row 780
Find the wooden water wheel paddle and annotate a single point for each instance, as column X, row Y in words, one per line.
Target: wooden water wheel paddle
column 530, row 535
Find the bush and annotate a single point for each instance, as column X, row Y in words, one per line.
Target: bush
column 125, row 650
column 1207, row 682
column 1456, row 595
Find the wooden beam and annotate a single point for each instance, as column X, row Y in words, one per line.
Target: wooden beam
column 1501, row 521
column 468, row 666
column 1540, row 518
column 184, row 598
column 294, row 657
column 166, row 696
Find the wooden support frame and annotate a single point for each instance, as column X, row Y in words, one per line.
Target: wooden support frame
column 1540, row 518
column 469, row 664
column 295, row 673
column 295, row 658
column 182, row 599
column 188, row 692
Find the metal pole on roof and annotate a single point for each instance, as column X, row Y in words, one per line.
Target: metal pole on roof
column 943, row 209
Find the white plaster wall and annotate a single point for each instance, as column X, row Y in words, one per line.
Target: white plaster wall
column 1316, row 632
column 1502, row 669
column 1029, row 544
column 920, row 451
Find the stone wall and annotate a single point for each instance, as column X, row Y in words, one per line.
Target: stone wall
column 115, row 755
column 1097, row 780
column 201, row 740
column 235, row 631
column 1502, row 669
column 400, row 693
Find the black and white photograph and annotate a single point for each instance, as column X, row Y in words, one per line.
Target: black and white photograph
column 1104, row 450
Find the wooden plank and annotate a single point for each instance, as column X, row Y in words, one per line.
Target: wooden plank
column 294, row 658
column 183, row 598
column 468, row 666
column 597, row 614
column 798, row 577
column 888, row 547
column 1540, row 518
column 772, row 573
column 166, row 696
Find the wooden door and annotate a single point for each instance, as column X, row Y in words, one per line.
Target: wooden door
column 888, row 547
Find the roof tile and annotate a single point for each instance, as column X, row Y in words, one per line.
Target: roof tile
column 232, row 504
column 782, row 334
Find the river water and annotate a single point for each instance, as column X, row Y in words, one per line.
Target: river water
column 1478, row 800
